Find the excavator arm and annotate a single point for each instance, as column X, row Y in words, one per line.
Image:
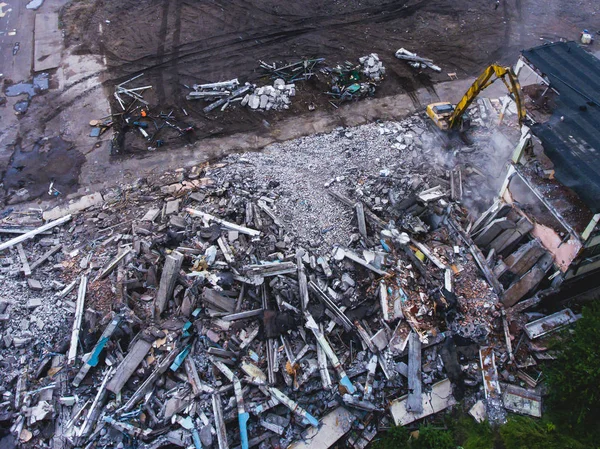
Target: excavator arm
column 483, row 81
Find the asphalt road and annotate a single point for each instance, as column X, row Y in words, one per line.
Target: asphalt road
column 16, row 27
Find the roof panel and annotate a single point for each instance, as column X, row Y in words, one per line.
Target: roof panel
column 571, row 137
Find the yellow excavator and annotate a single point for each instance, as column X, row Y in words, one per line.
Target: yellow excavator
column 448, row 117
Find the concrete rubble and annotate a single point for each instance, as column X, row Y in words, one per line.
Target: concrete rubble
column 372, row 67
column 274, row 97
column 254, row 303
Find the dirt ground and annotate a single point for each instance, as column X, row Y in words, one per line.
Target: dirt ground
column 179, row 43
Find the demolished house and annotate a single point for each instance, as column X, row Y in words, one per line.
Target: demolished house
column 554, row 177
column 186, row 312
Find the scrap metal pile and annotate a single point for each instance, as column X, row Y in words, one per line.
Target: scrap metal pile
column 138, row 115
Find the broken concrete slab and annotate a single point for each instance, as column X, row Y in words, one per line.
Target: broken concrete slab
column 95, row 199
column 34, row 284
column 47, row 42
column 332, row 427
column 439, row 398
column 550, row 323
column 172, row 207
column 522, row 401
column 478, row 411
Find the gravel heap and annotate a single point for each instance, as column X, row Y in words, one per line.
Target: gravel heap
column 345, row 160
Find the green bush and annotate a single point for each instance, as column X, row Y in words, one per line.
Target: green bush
column 429, row 438
column 521, row 432
column 395, row 438
column 574, row 396
column 470, row 434
column 432, row 438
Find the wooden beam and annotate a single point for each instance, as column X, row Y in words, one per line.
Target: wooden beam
column 508, row 239
column 414, row 403
column 25, row 268
column 524, row 258
column 31, row 234
column 47, row 255
column 111, row 266
column 528, row 282
column 360, row 216
column 491, row 231
column 226, row 224
column 302, row 282
column 77, row 321
column 128, row 365
column 168, row 279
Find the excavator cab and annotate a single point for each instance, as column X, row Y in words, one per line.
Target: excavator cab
column 440, row 114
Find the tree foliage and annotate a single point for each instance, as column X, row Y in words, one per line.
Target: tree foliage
column 574, row 378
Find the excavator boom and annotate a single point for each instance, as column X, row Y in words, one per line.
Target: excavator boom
column 453, row 120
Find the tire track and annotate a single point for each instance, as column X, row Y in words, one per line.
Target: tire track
column 160, row 53
column 296, row 29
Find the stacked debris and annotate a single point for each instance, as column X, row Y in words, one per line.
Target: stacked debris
column 247, row 309
column 219, row 94
column 372, row 67
column 274, row 97
column 195, row 316
column 350, row 81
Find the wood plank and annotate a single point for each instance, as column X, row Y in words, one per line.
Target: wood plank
column 497, row 210
column 168, row 279
column 47, row 255
column 523, row 259
column 360, row 216
column 528, row 282
column 25, row 265
column 302, row 281
column 17, row 230
column 77, row 321
column 491, row 231
column 128, row 365
column 511, row 237
column 226, row 224
column 215, row 299
column 31, row 234
column 414, row 402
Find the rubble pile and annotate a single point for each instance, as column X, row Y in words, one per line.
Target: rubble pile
column 189, row 310
column 372, row 67
column 274, row 97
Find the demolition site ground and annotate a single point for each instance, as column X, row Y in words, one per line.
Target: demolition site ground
column 287, row 268
column 177, row 44
column 181, row 43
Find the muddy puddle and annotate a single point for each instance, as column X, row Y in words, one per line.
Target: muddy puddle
column 30, row 172
column 38, row 84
